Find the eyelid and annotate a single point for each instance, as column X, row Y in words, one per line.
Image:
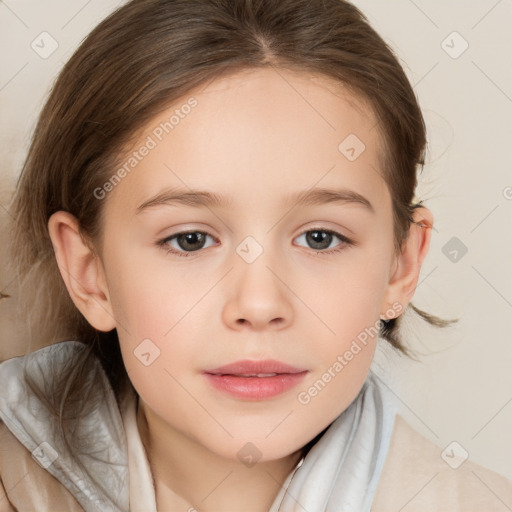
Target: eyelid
column 327, row 230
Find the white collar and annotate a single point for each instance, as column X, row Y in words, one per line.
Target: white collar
column 142, row 491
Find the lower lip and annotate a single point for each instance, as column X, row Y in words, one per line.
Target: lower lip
column 257, row 388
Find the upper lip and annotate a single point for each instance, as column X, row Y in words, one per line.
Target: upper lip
column 248, row 367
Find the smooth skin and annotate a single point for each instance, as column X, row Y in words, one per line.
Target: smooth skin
column 257, row 137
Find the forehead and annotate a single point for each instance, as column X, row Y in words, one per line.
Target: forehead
column 257, row 132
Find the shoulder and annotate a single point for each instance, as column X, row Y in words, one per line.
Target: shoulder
column 41, row 466
column 24, row 484
column 416, row 478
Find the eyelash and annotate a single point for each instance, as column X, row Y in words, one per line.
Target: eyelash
column 340, row 247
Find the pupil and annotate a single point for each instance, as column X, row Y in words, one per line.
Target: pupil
column 319, row 237
column 192, row 239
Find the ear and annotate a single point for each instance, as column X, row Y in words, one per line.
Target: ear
column 82, row 271
column 407, row 265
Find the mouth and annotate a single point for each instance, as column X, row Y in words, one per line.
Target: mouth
column 255, row 380
column 248, row 368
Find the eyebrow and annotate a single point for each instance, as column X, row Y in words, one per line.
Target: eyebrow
column 203, row 198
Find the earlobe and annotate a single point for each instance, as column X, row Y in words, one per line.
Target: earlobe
column 404, row 279
column 82, row 271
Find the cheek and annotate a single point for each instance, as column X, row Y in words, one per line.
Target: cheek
column 348, row 297
column 156, row 307
column 350, row 311
column 148, row 297
column 343, row 358
column 156, row 338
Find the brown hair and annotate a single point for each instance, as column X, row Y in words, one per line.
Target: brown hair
column 144, row 57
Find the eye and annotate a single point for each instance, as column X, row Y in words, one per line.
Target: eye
column 185, row 243
column 321, row 239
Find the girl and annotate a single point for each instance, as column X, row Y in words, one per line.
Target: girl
column 219, row 203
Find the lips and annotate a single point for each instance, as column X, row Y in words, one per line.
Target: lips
column 255, row 380
column 249, row 368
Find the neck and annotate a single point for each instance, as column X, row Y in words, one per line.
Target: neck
column 188, row 476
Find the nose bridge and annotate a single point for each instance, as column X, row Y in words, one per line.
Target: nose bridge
column 257, row 296
column 255, row 265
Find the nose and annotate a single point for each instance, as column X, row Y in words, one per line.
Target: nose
column 258, row 297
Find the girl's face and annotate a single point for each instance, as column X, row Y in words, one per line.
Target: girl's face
column 276, row 176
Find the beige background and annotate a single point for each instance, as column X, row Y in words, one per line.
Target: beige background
column 462, row 389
